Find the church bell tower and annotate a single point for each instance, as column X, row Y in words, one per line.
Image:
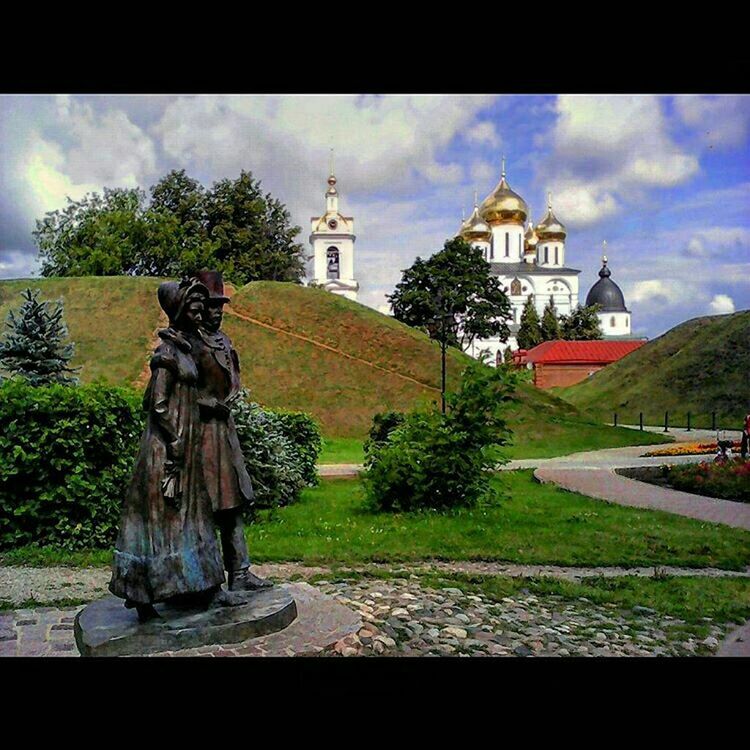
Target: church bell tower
column 332, row 240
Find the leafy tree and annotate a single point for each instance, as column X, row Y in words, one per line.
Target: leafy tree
column 442, row 461
column 508, row 357
column 183, row 227
column 252, row 231
column 452, row 296
column 95, row 236
column 550, row 327
column 530, row 332
column 582, row 324
column 33, row 346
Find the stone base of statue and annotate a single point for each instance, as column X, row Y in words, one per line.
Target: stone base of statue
column 106, row 628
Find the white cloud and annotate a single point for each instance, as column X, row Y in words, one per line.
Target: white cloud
column 483, row 132
column 15, row 264
column 721, row 304
column 723, row 121
column 606, row 150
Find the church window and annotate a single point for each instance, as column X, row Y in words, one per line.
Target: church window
column 333, row 263
column 556, row 261
column 546, row 254
column 612, row 322
column 515, row 286
column 492, row 248
column 507, row 244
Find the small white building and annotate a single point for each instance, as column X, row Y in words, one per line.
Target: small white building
column 332, row 239
column 613, row 316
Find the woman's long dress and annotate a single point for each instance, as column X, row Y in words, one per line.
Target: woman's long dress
column 165, row 550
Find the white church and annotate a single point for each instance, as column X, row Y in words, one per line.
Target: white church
column 528, row 260
column 332, row 240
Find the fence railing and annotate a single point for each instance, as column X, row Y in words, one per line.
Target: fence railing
column 683, row 420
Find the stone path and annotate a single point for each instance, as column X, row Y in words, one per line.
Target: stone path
column 605, row 484
column 20, row 584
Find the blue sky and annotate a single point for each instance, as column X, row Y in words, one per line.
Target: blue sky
column 664, row 179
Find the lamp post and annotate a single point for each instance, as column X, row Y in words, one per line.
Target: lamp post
column 443, row 314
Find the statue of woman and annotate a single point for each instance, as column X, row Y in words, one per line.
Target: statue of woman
column 167, row 548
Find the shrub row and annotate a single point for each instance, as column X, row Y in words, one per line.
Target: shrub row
column 66, row 456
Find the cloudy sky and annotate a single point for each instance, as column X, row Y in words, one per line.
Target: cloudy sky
column 664, row 179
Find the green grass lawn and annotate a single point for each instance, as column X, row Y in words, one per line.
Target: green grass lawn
column 535, row 524
column 338, row 450
column 579, row 437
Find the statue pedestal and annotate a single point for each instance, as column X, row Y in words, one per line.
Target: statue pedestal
column 106, row 628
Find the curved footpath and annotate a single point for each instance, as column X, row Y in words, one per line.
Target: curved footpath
column 592, row 473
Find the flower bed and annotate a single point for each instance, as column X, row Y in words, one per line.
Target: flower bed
column 689, row 449
column 728, row 481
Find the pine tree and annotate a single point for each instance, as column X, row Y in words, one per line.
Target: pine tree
column 550, row 324
column 33, row 345
column 529, row 333
column 508, row 357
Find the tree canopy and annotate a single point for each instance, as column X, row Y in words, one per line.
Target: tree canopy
column 550, row 326
column 178, row 229
column 452, row 296
column 582, row 324
column 529, row 332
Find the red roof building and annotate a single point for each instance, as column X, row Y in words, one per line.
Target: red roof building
column 562, row 363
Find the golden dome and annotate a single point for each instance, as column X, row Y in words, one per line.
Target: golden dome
column 474, row 228
column 530, row 238
column 504, row 205
column 550, row 227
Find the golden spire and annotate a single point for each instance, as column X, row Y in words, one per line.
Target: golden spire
column 503, row 171
column 475, row 198
column 331, row 162
column 549, row 199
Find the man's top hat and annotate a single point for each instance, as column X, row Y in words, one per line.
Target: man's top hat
column 214, row 282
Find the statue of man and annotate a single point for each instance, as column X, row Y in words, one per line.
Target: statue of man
column 226, row 477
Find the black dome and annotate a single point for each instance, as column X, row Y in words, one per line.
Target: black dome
column 606, row 293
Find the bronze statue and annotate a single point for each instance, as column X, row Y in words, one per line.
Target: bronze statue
column 224, row 469
column 189, row 475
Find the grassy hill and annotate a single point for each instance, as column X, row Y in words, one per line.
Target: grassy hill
column 302, row 349
column 701, row 365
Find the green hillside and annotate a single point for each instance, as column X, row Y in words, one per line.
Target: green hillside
column 302, row 349
column 701, row 365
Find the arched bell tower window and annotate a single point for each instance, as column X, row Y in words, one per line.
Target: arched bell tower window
column 333, row 262
column 612, row 322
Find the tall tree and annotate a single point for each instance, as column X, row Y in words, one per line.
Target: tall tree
column 550, row 327
column 255, row 240
column 33, row 346
column 530, row 332
column 452, row 296
column 582, row 324
column 233, row 227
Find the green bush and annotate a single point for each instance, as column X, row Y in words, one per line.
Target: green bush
column 382, row 425
column 303, row 431
column 278, row 467
column 66, row 454
column 442, row 461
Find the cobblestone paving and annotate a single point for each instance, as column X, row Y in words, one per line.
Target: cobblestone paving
column 403, row 617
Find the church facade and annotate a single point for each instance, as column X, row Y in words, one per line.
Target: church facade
column 332, row 240
column 530, row 260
